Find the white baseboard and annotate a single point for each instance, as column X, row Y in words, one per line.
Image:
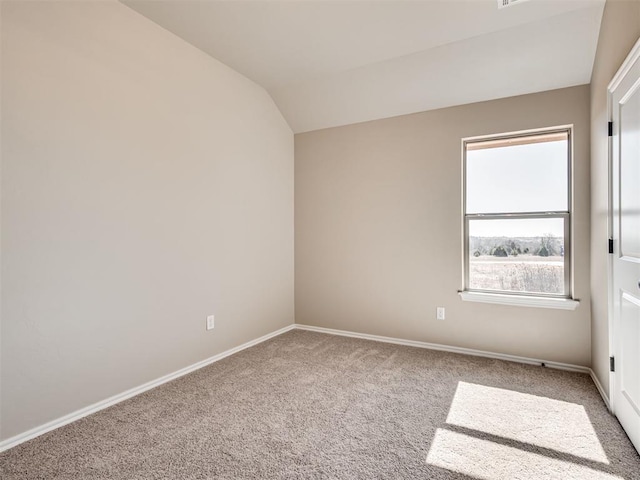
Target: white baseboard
column 604, row 396
column 466, row 351
column 96, row 407
column 446, row 348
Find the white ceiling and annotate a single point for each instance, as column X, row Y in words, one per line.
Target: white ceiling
column 335, row 62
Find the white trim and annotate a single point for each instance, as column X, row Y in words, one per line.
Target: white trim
column 101, row 405
column 630, row 299
column 610, row 342
column 604, row 396
column 447, row 348
column 633, row 55
column 465, row 351
column 520, row 300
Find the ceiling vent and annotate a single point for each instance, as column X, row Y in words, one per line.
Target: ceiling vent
column 508, row 3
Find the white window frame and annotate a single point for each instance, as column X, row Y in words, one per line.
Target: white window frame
column 564, row 301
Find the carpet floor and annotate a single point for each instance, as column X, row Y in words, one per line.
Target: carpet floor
column 316, row 406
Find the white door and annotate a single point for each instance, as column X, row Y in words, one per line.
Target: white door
column 624, row 98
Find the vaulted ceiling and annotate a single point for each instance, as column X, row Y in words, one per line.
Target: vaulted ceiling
column 335, row 62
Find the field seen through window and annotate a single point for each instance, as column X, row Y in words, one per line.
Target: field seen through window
column 517, row 264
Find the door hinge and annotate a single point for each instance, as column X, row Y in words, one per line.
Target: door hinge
column 610, row 128
column 611, row 245
column 612, row 364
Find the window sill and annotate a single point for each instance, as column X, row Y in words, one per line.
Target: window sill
column 520, row 300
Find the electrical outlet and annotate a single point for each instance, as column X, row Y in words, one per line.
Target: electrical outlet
column 210, row 322
column 440, row 313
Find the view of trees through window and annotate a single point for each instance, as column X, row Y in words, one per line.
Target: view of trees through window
column 516, row 214
column 517, row 264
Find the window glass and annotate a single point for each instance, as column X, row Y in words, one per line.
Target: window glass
column 517, row 178
column 517, row 214
column 517, row 255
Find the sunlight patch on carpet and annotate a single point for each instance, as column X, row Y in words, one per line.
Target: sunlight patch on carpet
column 487, row 460
column 544, row 422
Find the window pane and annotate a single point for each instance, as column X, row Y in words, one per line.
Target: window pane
column 508, row 175
column 517, row 255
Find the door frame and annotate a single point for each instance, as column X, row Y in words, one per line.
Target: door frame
column 631, row 58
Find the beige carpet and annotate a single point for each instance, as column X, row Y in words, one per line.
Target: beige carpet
column 309, row 405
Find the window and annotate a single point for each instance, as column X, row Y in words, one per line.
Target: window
column 517, row 214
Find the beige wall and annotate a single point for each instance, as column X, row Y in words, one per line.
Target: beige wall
column 378, row 229
column 619, row 31
column 145, row 185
